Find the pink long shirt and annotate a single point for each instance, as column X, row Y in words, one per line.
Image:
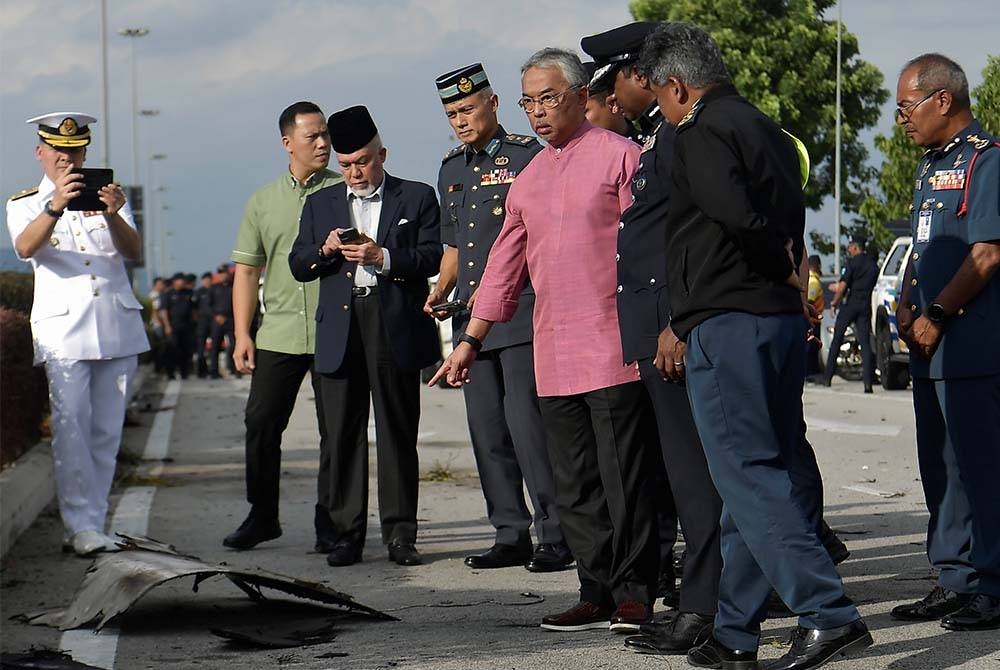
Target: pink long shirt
column 561, row 227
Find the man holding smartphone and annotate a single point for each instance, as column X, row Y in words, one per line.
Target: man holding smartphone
column 508, row 437
column 81, row 288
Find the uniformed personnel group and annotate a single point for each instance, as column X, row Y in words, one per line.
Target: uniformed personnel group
column 630, row 298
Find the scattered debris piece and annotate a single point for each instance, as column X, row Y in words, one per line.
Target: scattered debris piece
column 42, row 659
column 116, row 581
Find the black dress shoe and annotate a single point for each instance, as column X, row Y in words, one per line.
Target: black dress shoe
column 402, row 552
column 252, row 532
column 713, row 654
column 345, row 552
column 326, row 534
column 812, row 648
column 982, row 612
column 868, row 388
column 936, row 604
column 549, row 558
column 500, row 556
column 686, row 631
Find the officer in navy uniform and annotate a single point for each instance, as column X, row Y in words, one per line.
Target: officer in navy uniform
column 616, row 52
column 508, row 437
column 643, row 312
column 949, row 314
column 856, row 282
column 203, row 327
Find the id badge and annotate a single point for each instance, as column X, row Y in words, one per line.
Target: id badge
column 924, row 225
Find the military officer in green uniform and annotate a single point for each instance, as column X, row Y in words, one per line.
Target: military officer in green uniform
column 504, row 421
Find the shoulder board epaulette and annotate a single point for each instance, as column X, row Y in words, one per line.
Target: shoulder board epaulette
column 454, row 152
column 980, row 143
column 524, row 140
column 692, row 115
column 24, row 194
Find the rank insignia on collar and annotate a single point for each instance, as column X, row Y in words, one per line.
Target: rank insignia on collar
column 501, row 161
column 951, row 145
column 498, row 210
column 959, row 159
column 649, row 143
column 452, row 188
column 689, row 118
column 977, row 141
column 925, row 168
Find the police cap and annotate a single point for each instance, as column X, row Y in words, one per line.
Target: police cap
column 618, row 46
column 64, row 129
column 462, row 82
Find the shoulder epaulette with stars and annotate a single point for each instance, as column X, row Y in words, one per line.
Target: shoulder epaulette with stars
column 24, row 194
column 691, row 116
column 454, row 152
column 525, row 140
column 980, row 143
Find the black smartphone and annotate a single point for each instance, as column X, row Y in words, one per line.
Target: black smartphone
column 94, row 179
column 349, row 236
column 451, row 308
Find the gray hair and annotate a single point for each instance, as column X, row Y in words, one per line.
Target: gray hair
column 487, row 93
column 686, row 53
column 936, row 72
column 567, row 62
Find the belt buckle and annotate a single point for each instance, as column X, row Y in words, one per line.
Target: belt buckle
column 362, row 291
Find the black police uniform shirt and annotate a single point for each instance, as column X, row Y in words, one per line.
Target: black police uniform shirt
column 736, row 199
column 180, row 307
column 956, row 203
column 860, row 274
column 473, row 188
column 643, row 301
column 203, row 304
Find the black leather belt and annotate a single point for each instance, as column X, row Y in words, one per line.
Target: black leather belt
column 363, row 291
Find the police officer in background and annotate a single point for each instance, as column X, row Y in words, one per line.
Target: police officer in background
column 508, row 437
column 203, row 328
column 643, row 312
column 220, row 297
column 949, row 314
column 854, row 290
column 86, row 322
column 178, row 312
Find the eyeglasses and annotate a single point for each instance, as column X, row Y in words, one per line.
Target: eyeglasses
column 906, row 112
column 547, row 101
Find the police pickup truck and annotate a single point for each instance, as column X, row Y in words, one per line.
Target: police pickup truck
column 892, row 357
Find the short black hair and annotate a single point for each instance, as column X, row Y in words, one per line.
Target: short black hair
column 206, row 275
column 814, row 262
column 287, row 119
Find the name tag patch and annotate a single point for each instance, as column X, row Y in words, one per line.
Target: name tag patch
column 924, row 225
column 948, row 180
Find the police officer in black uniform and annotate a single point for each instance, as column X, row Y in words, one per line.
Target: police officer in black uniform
column 643, row 312
column 508, row 437
column 854, row 289
column 203, row 328
column 603, row 110
column 220, row 298
column 179, row 309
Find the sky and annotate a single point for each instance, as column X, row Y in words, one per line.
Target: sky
column 220, row 72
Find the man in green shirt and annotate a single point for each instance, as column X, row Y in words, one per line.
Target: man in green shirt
column 283, row 351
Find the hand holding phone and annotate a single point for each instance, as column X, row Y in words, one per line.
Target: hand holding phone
column 349, row 236
column 450, row 308
column 89, row 199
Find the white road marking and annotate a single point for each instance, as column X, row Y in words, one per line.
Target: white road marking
column 132, row 517
column 848, row 428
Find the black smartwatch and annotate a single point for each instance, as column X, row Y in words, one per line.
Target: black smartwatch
column 51, row 212
column 935, row 312
column 473, row 342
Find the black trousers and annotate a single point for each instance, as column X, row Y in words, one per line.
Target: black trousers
column 370, row 374
column 222, row 330
column 601, row 448
column 698, row 504
column 180, row 349
column 857, row 311
column 273, row 388
column 202, row 332
column 508, row 439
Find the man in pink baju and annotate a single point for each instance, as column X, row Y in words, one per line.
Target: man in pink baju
column 561, row 226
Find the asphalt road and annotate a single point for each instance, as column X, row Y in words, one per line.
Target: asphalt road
column 450, row 616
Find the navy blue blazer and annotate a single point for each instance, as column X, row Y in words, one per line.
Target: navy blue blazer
column 409, row 228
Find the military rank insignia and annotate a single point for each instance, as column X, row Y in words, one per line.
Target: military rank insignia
column 500, row 161
column 498, row 177
column 977, row 141
column 948, row 180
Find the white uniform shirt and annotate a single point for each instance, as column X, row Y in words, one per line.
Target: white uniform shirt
column 84, row 307
column 365, row 213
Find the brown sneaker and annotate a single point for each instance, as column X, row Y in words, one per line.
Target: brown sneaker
column 629, row 616
column 583, row 616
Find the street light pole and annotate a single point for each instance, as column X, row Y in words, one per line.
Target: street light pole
column 153, row 241
column 837, row 158
column 134, row 33
column 105, row 114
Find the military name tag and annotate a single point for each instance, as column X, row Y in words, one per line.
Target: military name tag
column 924, row 225
column 948, row 180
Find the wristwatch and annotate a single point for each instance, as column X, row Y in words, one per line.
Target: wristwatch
column 473, row 342
column 935, row 312
column 51, row 212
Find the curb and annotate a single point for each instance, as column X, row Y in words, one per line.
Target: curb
column 27, row 486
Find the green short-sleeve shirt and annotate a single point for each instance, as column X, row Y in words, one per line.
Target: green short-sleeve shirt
column 270, row 226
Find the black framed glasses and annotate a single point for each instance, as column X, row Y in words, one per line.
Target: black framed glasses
column 547, row 101
column 906, row 112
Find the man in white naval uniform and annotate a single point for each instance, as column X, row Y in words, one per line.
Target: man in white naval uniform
column 85, row 321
